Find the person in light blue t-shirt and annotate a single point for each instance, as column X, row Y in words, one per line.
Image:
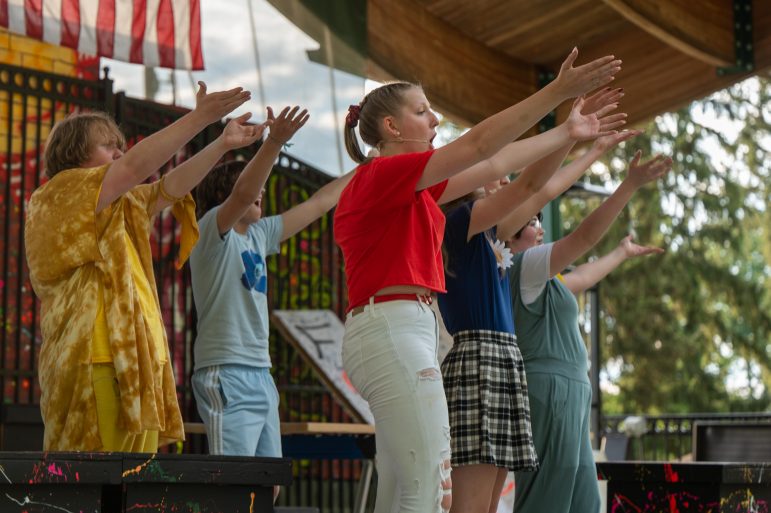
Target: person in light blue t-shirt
column 235, row 393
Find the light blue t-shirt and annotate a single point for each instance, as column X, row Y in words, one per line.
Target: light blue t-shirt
column 230, row 283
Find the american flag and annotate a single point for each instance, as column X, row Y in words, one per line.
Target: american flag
column 164, row 33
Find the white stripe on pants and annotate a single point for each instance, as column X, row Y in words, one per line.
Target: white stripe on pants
column 389, row 353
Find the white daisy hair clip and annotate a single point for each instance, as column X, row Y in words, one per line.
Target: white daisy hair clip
column 502, row 255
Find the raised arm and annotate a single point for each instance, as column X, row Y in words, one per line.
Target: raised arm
column 251, row 181
column 566, row 250
column 585, row 276
column 558, row 184
column 542, row 170
column 300, row 216
column 492, row 134
column 577, row 127
column 489, row 211
column 181, row 180
column 148, row 155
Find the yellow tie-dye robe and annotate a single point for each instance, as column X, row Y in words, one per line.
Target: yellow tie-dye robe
column 70, row 250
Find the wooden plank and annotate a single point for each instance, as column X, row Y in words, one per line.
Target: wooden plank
column 326, row 428
column 705, row 33
column 534, row 32
column 303, row 428
column 657, row 76
column 460, row 75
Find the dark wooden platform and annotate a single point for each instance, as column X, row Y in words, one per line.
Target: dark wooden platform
column 703, row 487
column 139, row 483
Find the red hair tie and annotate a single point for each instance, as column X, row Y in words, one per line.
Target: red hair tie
column 352, row 118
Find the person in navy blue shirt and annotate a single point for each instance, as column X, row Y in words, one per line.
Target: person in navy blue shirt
column 484, row 375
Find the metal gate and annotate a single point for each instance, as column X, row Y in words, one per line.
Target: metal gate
column 306, row 274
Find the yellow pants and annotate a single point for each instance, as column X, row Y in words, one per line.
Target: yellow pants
column 114, row 438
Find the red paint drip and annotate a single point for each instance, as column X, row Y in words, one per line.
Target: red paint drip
column 673, row 505
column 670, row 476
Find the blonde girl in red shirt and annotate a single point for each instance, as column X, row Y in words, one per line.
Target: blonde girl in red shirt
column 390, row 228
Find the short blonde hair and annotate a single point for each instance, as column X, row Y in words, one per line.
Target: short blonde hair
column 72, row 140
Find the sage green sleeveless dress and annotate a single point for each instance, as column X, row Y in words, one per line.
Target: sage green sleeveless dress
column 556, row 366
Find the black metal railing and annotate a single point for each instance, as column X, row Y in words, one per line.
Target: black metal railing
column 670, row 437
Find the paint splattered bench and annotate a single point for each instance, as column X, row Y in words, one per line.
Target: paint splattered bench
column 704, row 487
column 123, row 482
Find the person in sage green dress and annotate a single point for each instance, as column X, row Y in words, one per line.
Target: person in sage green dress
column 556, row 361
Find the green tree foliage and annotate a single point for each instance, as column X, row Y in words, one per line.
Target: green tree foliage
column 690, row 330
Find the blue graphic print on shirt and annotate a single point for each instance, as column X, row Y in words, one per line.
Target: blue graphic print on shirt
column 254, row 277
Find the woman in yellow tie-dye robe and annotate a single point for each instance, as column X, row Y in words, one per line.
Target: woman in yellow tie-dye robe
column 87, row 242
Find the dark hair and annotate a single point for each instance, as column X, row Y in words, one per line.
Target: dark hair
column 517, row 235
column 217, row 186
column 72, row 140
column 384, row 101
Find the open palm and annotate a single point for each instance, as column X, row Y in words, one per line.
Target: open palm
column 583, row 127
column 646, row 172
column 238, row 133
column 635, row 250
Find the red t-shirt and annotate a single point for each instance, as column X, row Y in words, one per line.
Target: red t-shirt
column 389, row 233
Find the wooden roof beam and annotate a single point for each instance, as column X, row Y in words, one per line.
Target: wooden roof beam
column 702, row 30
column 462, row 77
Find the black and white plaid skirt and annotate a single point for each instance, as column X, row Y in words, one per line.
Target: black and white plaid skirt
column 484, row 380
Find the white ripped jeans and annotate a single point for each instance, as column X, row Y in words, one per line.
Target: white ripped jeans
column 390, row 356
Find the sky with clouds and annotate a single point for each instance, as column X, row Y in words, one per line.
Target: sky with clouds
column 285, row 76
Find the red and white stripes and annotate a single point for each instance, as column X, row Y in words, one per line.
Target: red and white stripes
column 164, row 33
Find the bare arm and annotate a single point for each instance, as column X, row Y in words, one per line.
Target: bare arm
column 144, row 158
column 250, row 182
column 587, row 275
column 558, row 184
column 578, row 127
column 300, row 216
column 492, row 134
column 566, row 250
column 181, row 180
column 490, row 211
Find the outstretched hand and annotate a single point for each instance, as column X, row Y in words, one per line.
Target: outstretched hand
column 215, row 106
column 238, row 134
column 631, row 249
column 287, row 123
column 582, row 127
column 643, row 173
column 602, row 98
column 607, row 142
column 572, row 82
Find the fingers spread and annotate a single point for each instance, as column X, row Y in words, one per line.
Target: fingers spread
column 609, row 61
column 606, row 109
column 243, row 117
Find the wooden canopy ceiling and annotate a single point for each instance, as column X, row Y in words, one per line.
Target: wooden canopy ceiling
column 476, row 57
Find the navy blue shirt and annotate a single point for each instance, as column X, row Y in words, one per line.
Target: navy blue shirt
column 478, row 295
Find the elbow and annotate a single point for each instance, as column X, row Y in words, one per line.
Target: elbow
column 479, row 146
column 531, row 186
column 243, row 196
